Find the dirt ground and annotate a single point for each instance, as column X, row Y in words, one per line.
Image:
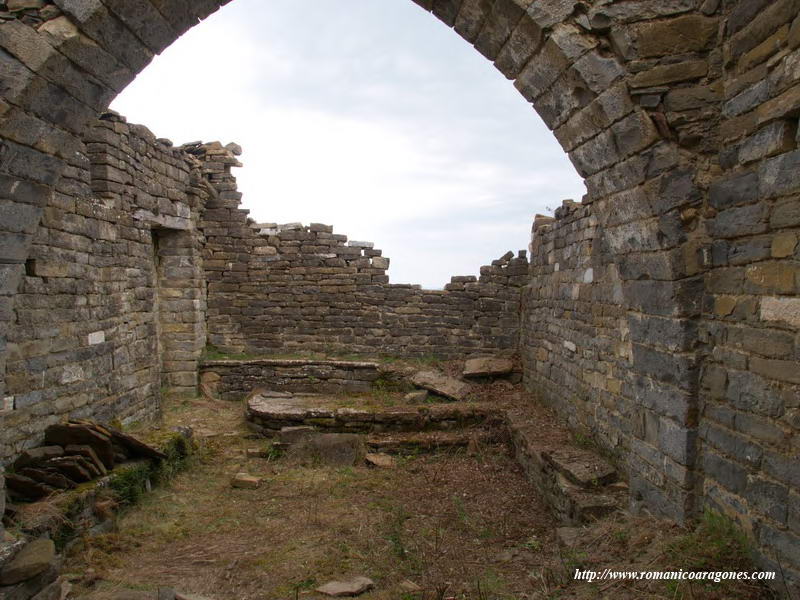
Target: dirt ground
column 452, row 525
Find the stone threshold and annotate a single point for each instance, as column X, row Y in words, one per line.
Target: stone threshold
column 578, row 484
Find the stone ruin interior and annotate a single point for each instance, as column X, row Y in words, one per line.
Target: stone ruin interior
column 659, row 316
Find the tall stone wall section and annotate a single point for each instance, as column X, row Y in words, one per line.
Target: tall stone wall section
column 750, row 385
column 680, row 351
column 293, row 288
column 111, row 310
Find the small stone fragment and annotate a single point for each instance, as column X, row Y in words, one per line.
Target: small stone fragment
column 409, row 586
column 351, row 587
column 416, row 397
column 245, row 481
column 380, row 460
column 568, row 536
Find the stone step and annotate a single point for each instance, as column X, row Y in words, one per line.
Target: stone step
column 432, row 441
column 579, row 485
column 272, row 411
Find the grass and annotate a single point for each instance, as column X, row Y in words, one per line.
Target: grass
column 308, row 525
column 459, row 526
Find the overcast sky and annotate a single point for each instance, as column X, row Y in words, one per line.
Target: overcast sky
column 370, row 116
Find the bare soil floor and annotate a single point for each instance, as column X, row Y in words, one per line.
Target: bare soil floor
column 457, row 524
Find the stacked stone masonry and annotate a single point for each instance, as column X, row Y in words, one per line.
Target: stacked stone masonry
column 661, row 314
column 287, row 288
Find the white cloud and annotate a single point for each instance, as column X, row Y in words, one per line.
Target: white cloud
column 372, row 117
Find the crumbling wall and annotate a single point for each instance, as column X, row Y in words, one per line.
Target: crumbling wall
column 294, row 288
column 111, row 309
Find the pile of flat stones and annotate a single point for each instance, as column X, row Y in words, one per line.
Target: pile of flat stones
column 74, row 452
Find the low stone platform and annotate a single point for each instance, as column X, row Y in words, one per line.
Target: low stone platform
column 272, row 411
column 234, row 379
column 576, row 482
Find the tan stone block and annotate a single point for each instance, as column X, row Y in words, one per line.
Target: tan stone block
column 733, row 129
column 724, row 305
column 775, row 276
column 784, row 244
column 785, row 310
column 765, row 49
column 676, row 36
column 664, row 74
column 794, row 34
column 787, row 104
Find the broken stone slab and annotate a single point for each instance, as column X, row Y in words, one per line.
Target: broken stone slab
column 333, row 449
column 88, row 454
column 245, row 481
column 32, row 560
column 582, row 468
column 67, row 434
column 27, row 488
column 381, row 460
column 36, row 456
column 135, row 448
column 441, row 384
column 73, row 467
column 51, row 478
column 350, row 587
column 488, row 367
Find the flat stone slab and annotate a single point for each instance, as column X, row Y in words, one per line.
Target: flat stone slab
column 350, row 587
column 381, row 460
column 488, row 367
column 333, row 449
column 583, row 468
column 441, row 384
column 284, row 413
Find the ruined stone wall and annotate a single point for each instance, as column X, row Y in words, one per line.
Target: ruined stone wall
column 679, row 353
column 111, row 306
column 294, row 288
column 750, row 387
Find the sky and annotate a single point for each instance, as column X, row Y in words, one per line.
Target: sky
column 373, row 117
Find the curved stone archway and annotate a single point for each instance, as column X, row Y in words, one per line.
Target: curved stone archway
column 658, row 312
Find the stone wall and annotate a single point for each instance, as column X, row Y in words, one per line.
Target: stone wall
column 111, row 308
column 662, row 313
column 681, row 115
column 288, row 288
column 236, row 379
column 749, row 427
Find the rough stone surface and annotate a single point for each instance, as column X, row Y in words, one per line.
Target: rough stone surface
column 441, row 384
column 245, row 481
column 350, row 587
column 334, row 449
column 487, row 367
column 32, row 560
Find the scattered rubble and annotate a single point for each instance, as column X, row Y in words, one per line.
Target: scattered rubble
column 76, row 452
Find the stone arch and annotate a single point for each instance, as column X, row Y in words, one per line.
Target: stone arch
column 558, row 54
column 634, row 93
